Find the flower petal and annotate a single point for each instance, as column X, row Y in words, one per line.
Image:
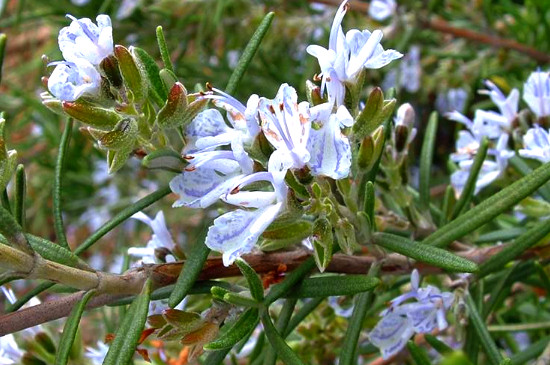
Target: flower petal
column 391, row 334
column 235, row 233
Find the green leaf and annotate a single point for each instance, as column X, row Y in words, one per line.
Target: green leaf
column 124, row 345
column 216, row 357
column 528, row 239
column 12, row 231
column 248, row 53
column 190, row 272
column 438, row 345
column 302, row 313
column 490, row 208
column 524, row 169
column 151, row 70
column 58, row 185
column 254, row 282
column 240, row 329
column 270, row 356
column 240, row 300
column 96, row 117
column 69, row 330
column 3, row 39
column 531, row 352
column 322, row 241
column 165, row 159
column 470, row 185
column 174, row 112
column 424, row 253
column 284, row 352
column 56, row 253
column 164, row 53
column 334, row 285
column 278, row 290
column 418, row 354
column 28, row 296
column 130, row 72
column 485, row 339
column 362, row 302
column 122, row 216
column 426, row 160
column 20, row 194
column 376, row 112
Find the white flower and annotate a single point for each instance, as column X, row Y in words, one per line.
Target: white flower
column 451, row 100
column 10, row 353
column 83, row 39
column 286, row 125
column 382, row 9
column 97, row 355
column 347, row 55
column 235, row 233
column 161, row 238
column 508, row 105
column 402, row 319
column 536, row 93
column 537, row 144
column 71, row 80
column 330, row 149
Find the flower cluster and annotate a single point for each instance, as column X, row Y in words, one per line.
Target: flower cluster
column 303, row 137
column 403, row 319
column 83, row 45
column 348, row 55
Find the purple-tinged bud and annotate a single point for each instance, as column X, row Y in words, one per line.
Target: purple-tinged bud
column 173, row 113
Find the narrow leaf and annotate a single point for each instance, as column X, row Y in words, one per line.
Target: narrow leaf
column 189, row 273
column 248, row 53
column 254, row 282
column 124, row 345
column 292, row 279
column 426, row 159
column 427, row 254
column 490, row 208
column 20, row 193
column 240, row 329
column 528, row 239
column 418, row 354
column 58, row 185
column 164, row 53
column 483, row 334
column 70, row 328
column 470, row 185
column 270, row 356
column 334, row 285
column 284, row 352
column 12, row 231
column 3, row 39
column 524, row 169
column 438, row 345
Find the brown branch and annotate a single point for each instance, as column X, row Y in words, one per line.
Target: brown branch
column 442, row 26
column 263, row 263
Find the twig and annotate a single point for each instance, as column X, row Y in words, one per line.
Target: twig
column 263, row 263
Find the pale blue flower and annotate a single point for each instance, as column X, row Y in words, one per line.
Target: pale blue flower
column 71, row 80
column 451, row 100
column 382, row 9
column 508, row 105
column 286, row 125
column 329, row 148
column 83, row 39
column 236, row 233
column 347, row 55
column 210, row 174
column 10, row 353
column 126, row 8
column 411, row 70
column 537, row 144
column 404, row 318
column 161, row 239
column 209, row 129
column 97, row 355
column 536, row 93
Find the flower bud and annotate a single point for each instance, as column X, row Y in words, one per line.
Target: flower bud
column 322, row 242
column 122, row 137
column 130, row 73
column 376, row 111
column 94, row 116
column 109, row 65
column 371, row 149
column 345, row 235
column 404, row 131
column 173, row 112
